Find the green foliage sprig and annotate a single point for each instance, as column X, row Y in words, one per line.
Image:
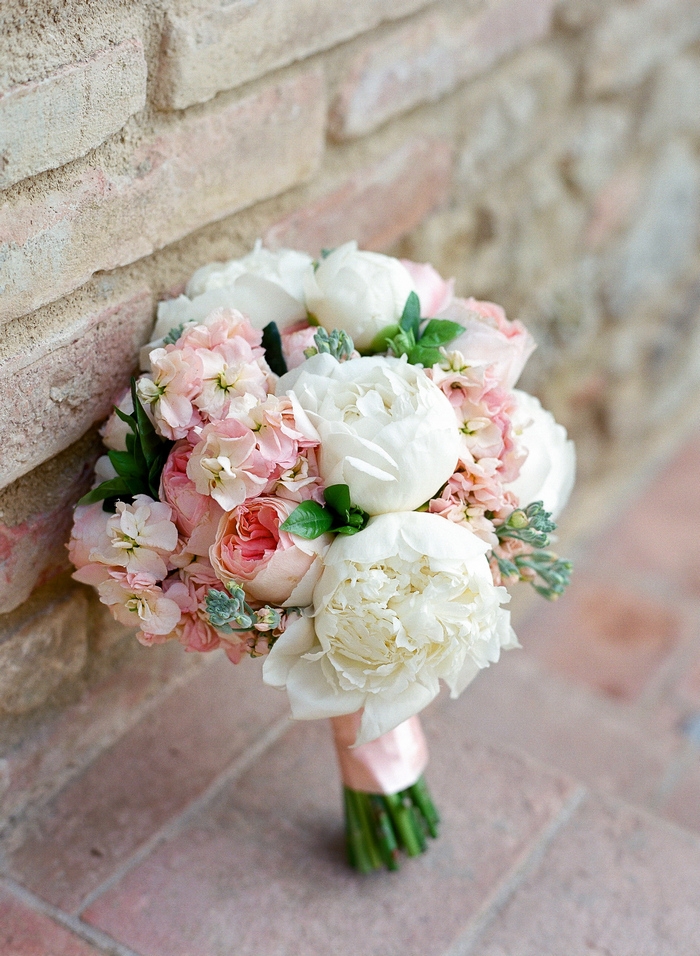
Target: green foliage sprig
column 139, row 467
column 336, row 343
column 310, row 519
column 406, row 338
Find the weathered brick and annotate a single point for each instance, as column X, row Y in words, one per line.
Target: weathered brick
column 25, row 932
column 52, row 393
column 508, row 114
column 597, row 145
column 48, row 122
column 421, row 61
column 664, row 235
column 33, row 549
column 634, row 38
column 41, row 648
column 198, row 169
column 226, row 45
column 675, row 102
column 614, row 881
column 377, row 205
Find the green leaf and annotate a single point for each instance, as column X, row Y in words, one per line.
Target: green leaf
column 338, row 498
column 439, row 332
column 150, row 440
column 114, row 488
column 346, row 529
column 124, row 464
column 410, row 317
column 308, row 520
column 380, row 342
column 127, row 419
column 272, row 343
column 427, row 357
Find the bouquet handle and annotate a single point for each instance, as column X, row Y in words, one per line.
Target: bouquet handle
column 388, row 808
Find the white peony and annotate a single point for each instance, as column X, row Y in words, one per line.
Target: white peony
column 386, row 430
column 265, row 286
column 549, row 470
column 358, row 292
column 406, row 602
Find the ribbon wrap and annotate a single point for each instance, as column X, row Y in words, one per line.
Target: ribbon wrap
column 387, row 765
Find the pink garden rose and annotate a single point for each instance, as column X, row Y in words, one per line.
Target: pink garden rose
column 197, row 516
column 489, row 338
column 434, row 292
column 273, row 567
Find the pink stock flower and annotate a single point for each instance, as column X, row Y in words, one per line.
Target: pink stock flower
column 301, row 482
column 230, row 371
column 177, row 380
column 227, row 464
column 434, row 292
column 489, row 338
column 137, row 601
column 277, row 434
column 273, row 566
column 295, row 340
column 223, row 325
column 196, row 515
column 140, row 537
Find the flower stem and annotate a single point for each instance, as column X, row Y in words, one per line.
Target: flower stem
column 378, row 827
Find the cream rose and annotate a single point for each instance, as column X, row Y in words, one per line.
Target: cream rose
column 549, row 470
column 401, row 605
column 386, row 430
column 358, row 292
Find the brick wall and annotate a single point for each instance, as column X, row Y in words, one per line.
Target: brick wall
column 544, row 153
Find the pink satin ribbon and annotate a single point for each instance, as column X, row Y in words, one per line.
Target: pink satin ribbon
column 388, row 764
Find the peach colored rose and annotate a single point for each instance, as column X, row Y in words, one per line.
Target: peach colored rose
column 273, row 567
column 197, row 516
column 434, row 292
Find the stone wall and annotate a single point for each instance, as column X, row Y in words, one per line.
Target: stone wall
column 544, row 153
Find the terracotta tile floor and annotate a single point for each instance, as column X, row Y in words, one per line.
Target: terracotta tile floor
column 568, row 777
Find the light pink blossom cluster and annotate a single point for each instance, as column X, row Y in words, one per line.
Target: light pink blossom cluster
column 240, row 464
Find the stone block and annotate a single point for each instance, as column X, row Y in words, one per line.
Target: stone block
column 508, row 114
column 33, row 541
column 46, row 123
column 664, row 234
column 597, row 146
column 40, row 648
column 424, row 59
column 224, row 45
column 675, row 102
column 634, row 38
column 51, row 393
column 192, row 171
column 377, row 205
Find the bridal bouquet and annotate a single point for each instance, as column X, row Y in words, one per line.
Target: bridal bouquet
column 326, row 463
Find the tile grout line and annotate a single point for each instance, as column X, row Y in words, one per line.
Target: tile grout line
column 464, row 944
column 177, row 823
column 86, row 932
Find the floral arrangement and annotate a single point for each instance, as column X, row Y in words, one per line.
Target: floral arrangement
column 326, row 463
